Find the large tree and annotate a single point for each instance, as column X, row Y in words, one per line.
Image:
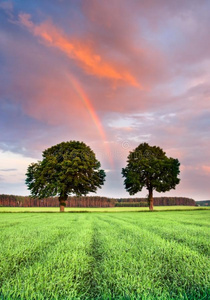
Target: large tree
column 67, row 168
column 148, row 166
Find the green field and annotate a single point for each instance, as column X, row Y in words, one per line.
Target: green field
column 128, row 255
column 98, row 209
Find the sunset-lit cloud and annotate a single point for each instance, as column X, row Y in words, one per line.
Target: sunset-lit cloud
column 79, row 50
column 113, row 76
column 206, row 169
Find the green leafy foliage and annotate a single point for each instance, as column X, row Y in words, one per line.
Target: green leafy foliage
column 67, row 168
column 149, row 167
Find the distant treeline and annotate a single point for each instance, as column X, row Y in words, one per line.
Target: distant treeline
column 93, row 201
column 203, row 203
column 158, row 201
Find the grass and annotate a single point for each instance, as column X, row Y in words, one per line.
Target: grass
column 99, row 209
column 160, row 255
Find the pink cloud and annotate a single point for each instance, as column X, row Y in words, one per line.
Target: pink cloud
column 206, row 169
column 112, row 50
column 91, row 62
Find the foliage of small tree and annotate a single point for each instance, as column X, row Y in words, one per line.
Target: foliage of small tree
column 67, row 168
column 148, row 166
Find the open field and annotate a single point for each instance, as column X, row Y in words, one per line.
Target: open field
column 98, row 209
column 160, row 255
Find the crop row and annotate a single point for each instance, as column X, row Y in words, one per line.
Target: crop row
column 104, row 256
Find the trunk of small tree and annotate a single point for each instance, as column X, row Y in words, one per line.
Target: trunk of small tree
column 150, row 199
column 62, row 201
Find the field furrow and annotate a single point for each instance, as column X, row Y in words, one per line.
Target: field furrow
column 167, row 265
column 104, row 256
column 194, row 237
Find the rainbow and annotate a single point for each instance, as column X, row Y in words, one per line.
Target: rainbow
column 86, row 101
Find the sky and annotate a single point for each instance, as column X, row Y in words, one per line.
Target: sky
column 111, row 73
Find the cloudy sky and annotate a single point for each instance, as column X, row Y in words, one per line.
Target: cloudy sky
column 111, row 73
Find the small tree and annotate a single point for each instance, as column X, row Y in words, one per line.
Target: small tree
column 67, row 168
column 149, row 167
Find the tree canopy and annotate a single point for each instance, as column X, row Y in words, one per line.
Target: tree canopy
column 148, row 166
column 67, row 168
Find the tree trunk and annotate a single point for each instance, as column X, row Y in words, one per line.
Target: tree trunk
column 62, row 201
column 150, row 199
column 62, row 206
